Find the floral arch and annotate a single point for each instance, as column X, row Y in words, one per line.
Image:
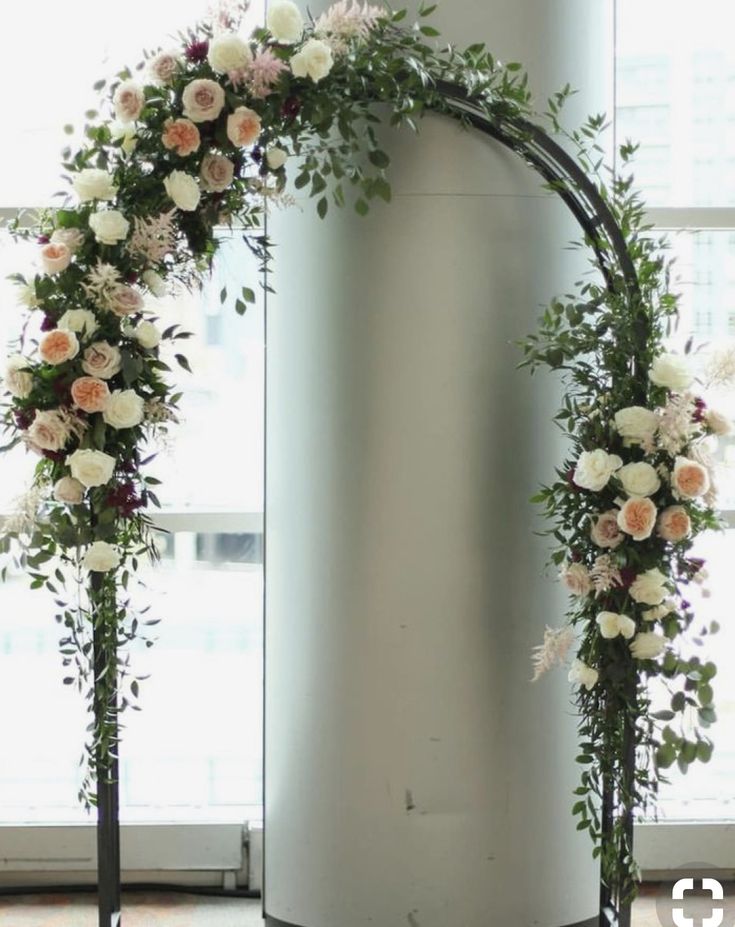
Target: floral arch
column 206, row 135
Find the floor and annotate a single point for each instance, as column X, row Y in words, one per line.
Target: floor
column 162, row 909
column 141, row 910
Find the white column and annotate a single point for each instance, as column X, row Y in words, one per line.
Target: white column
column 414, row 776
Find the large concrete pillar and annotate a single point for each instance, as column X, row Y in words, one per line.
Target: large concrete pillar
column 414, row 777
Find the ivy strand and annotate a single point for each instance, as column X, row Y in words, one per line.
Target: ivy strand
column 204, row 136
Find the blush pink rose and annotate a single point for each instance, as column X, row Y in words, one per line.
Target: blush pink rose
column 689, row 479
column 605, row 531
column 243, row 126
column 637, row 518
column 55, row 257
column 181, row 135
column 674, row 524
column 102, row 360
column 58, row 346
column 216, row 172
column 128, row 101
column 90, row 394
column 203, row 100
column 576, row 578
column 124, row 300
column 49, row 431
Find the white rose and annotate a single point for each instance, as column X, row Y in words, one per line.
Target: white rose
column 69, row 491
column 80, row 321
column 124, row 409
column 128, row 101
column 93, row 184
column 147, row 335
column 594, row 469
column 102, row 360
column 647, row 645
column 101, row 557
column 649, row 588
column 18, row 379
column 583, row 675
column 718, row 423
column 183, row 190
column 227, row 53
column 72, row 238
column 671, row 371
column 124, row 133
column 276, row 158
column 284, row 22
column 636, row 424
column 576, row 578
column 155, row 283
column 611, row 624
column 659, row 611
column 109, row 226
column 314, row 60
column 91, row 468
column 639, row 479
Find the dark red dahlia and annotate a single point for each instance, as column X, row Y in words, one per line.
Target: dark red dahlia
column 197, row 51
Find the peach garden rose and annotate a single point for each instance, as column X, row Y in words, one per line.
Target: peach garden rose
column 55, row 257
column 90, row 394
column 181, row 136
column 689, row 478
column 58, row 346
column 243, row 126
column 674, row 524
column 637, row 518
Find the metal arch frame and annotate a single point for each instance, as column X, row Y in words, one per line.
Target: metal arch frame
column 568, row 180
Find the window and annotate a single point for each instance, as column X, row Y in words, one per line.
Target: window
column 193, row 753
column 675, row 94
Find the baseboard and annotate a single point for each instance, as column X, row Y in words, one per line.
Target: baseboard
column 274, row 922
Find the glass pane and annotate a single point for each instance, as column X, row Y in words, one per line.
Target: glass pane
column 194, row 750
column 675, row 66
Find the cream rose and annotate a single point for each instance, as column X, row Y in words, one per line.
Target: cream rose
column 183, row 190
column 128, row 101
column 649, row 588
column 155, row 283
column 583, row 675
column 647, row 645
column 124, row 409
column 109, row 226
column 275, row 158
column 124, row 300
column 57, row 347
column 101, row 557
column 91, row 183
column 18, row 378
column 635, row 424
column 659, row 611
column 689, row 479
column 55, row 257
column 674, row 524
column 203, row 100
column 81, row 321
column 243, row 126
column 611, row 624
column 147, row 335
column 72, row 238
column 314, row 60
column 163, row 68
column 671, row 371
column 216, row 172
column 48, row 431
column 718, row 423
column 69, row 491
column 228, row 52
column 639, row 479
column 605, row 531
column 125, row 134
column 91, row 468
column 576, row 578
column 102, row 360
column 637, row 518
column 284, row 22
column 594, row 469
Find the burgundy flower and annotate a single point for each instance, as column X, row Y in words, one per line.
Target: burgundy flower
column 24, row 418
column 56, row 456
column 685, row 606
column 291, row 107
column 48, row 324
column 257, row 154
column 197, row 51
column 570, row 480
column 132, row 277
column 43, row 239
column 627, row 575
column 125, row 499
column 699, row 408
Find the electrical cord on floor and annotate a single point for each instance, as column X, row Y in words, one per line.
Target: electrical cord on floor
column 211, row 891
